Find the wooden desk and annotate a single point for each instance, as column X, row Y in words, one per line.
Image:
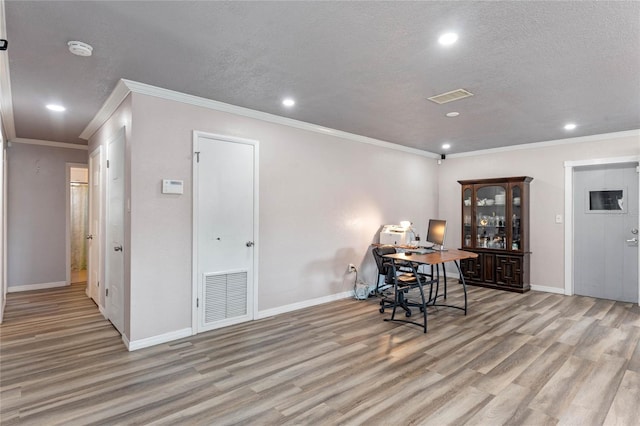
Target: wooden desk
column 436, row 258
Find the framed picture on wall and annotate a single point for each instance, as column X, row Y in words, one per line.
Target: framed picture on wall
column 608, row 200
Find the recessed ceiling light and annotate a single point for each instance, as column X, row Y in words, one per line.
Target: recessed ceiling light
column 446, row 146
column 448, row 39
column 452, row 114
column 570, row 126
column 288, row 102
column 57, row 108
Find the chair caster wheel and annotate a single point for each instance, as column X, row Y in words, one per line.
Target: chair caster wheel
column 407, row 314
column 381, row 310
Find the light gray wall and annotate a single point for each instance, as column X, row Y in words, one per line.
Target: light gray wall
column 545, row 163
column 322, row 202
column 36, row 251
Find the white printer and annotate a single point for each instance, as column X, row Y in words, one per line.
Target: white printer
column 397, row 235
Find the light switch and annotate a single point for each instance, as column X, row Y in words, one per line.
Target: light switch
column 558, row 218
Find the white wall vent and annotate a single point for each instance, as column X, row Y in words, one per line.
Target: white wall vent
column 454, row 95
column 225, row 296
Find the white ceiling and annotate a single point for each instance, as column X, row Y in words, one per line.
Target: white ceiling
column 360, row 67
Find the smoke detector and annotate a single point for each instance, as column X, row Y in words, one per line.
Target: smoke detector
column 79, row 48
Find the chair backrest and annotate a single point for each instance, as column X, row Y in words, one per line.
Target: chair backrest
column 378, row 252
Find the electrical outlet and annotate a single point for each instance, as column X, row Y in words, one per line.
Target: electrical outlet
column 352, row 267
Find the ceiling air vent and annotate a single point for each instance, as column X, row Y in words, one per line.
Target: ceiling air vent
column 454, row 95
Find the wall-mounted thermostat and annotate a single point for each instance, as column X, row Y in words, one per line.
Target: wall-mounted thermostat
column 172, row 186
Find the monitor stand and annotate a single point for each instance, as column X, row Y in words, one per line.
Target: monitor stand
column 440, row 249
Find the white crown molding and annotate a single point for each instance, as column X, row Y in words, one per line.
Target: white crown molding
column 119, row 93
column 6, row 101
column 124, row 87
column 601, row 161
column 557, row 142
column 49, row 143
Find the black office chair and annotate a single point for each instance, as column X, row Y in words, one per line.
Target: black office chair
column 384, row 266
column 405, row 282
column 406, row 278
column 385, row 269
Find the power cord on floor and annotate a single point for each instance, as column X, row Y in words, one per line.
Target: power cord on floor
column 360, row 289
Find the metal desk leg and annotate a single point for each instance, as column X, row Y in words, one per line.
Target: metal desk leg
column 395, row 289
column 444, row 274
column 424, row 304
column 437, row 283
column 432, row 298
column 464, row 285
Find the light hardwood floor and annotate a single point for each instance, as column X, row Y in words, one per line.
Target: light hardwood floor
column 534, row 359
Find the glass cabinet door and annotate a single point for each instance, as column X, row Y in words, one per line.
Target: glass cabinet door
column 491, row 217
column 516, row 243
column 467, row 212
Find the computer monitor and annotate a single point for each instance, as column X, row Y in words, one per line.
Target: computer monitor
column 436, row 232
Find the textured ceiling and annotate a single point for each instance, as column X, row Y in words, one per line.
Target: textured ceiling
column 361, row 67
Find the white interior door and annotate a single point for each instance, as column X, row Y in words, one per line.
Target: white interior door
column 606, row 231
column 93, row 270
column 224, row 177
column 114, row 241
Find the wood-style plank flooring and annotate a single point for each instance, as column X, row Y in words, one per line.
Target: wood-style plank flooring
column 532, row 359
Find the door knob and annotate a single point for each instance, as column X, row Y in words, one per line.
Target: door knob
column 249, row 243
column 117, row 248
column 633, row 240
column 89, row 237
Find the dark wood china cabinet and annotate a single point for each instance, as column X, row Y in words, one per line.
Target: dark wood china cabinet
column 495, row 224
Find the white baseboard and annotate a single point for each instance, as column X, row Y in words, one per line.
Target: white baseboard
column 40, row 286
column 304, row 304
column 186, row 332
column 156, row 340
column 546, row 289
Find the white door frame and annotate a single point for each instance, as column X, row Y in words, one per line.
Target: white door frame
column 70, row 166
column 568, row 212
column 106, row 243
column 97, row 239
column 3, row 227
column 194, row 240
